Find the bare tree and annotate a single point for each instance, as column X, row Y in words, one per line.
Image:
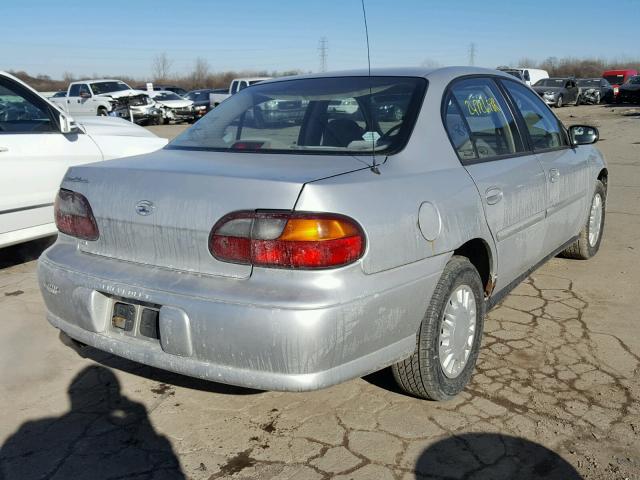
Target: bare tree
column 200, row 73
column 430, row 63
column 161, row 67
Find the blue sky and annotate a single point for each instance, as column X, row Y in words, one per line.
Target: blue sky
column 122, row 37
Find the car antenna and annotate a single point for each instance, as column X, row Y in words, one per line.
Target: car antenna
column 374, row 166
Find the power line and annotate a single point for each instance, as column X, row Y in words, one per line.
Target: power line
column 323, row 48
column 472, row 54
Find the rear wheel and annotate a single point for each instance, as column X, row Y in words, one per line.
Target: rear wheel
column 588, row 242
column 448, row 340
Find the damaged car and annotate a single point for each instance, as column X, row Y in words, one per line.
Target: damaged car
column 294, row 257
column 595, row 90
column 140, row 109
column 174, row 107
column 558, row 92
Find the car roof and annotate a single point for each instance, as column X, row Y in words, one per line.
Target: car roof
column 441, row 73
column 98, row 80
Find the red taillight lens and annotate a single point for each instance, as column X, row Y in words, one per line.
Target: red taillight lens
column 74, row 216
column 287, row 240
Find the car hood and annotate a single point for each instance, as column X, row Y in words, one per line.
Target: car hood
column 113, row 126
column 174, row 103
column 547, row 89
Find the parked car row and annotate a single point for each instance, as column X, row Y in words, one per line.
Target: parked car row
column 115, row 98
column 613, row 86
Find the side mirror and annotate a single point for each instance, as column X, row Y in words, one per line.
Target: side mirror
column 67, row 124
column 583, row 135
column 85, row 95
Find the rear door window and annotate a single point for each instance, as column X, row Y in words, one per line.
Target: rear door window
column 544, row 128
column 492, row 127
column 458, row 132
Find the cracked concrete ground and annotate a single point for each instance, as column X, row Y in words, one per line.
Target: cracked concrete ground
column 556, row 393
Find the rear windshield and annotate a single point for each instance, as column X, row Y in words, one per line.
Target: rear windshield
column 635, row 80
column 108, row 87
column 614, row 79
column 341, row 115
column 550, row 82
column 589, row 82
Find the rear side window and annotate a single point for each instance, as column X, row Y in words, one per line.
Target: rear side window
column 458, row 131
column 491, row 126
column 543, row 127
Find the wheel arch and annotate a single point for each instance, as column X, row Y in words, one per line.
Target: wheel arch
column 603, row 176
column 479, row 253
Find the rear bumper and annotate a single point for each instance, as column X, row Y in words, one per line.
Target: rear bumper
column 317, row 336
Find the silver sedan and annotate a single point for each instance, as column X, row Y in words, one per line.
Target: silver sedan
column 296, row 250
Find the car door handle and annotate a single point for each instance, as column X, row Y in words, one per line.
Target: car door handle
column 493, row 195
column 554, row 175
column 4, row 149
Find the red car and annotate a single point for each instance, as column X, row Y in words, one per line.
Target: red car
column 617, row 78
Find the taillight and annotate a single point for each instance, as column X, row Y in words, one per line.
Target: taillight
column 287, row 240
column 74, row 216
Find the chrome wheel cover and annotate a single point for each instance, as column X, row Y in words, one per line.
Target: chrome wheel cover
column 457, row 331
column 595, row 220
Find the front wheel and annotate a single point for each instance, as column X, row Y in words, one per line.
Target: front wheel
column 588, row 242
column 559, row 102
column 577, row 102
column 448, row 341
column 102, row 112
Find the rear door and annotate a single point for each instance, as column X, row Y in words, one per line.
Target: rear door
column 566, row 168
column 509, row 178
column 34, row 156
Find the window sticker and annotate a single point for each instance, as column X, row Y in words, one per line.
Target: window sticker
column 479, row 105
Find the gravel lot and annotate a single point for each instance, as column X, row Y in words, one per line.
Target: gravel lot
column 556, row 395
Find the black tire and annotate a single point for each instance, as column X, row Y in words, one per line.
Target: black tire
column 582, row 249
column 421, row 374
column 102, row 112
column 560, row 102
column 598, row 100
column 577, row 102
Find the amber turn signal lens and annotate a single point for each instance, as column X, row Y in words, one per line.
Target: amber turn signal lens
column 317, row 229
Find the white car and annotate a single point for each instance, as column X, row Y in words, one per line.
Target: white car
column 237, row 84
column 94, row 97
column 174, row 107
column 530, row 76
column 38, row 143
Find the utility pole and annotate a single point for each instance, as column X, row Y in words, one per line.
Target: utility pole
column 323, row 47
column 472, row 54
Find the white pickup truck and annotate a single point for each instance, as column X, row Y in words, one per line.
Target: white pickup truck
column 237, row 84
column 38, row 143
column 93, row 97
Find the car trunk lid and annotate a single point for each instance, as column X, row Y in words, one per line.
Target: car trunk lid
column 158, row 209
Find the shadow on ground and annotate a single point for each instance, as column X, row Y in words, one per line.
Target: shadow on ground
column 104, row 435
column 24, row 252
column 492, row 456
column 158, row 375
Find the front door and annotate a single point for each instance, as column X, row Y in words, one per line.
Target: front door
column 510, row 179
